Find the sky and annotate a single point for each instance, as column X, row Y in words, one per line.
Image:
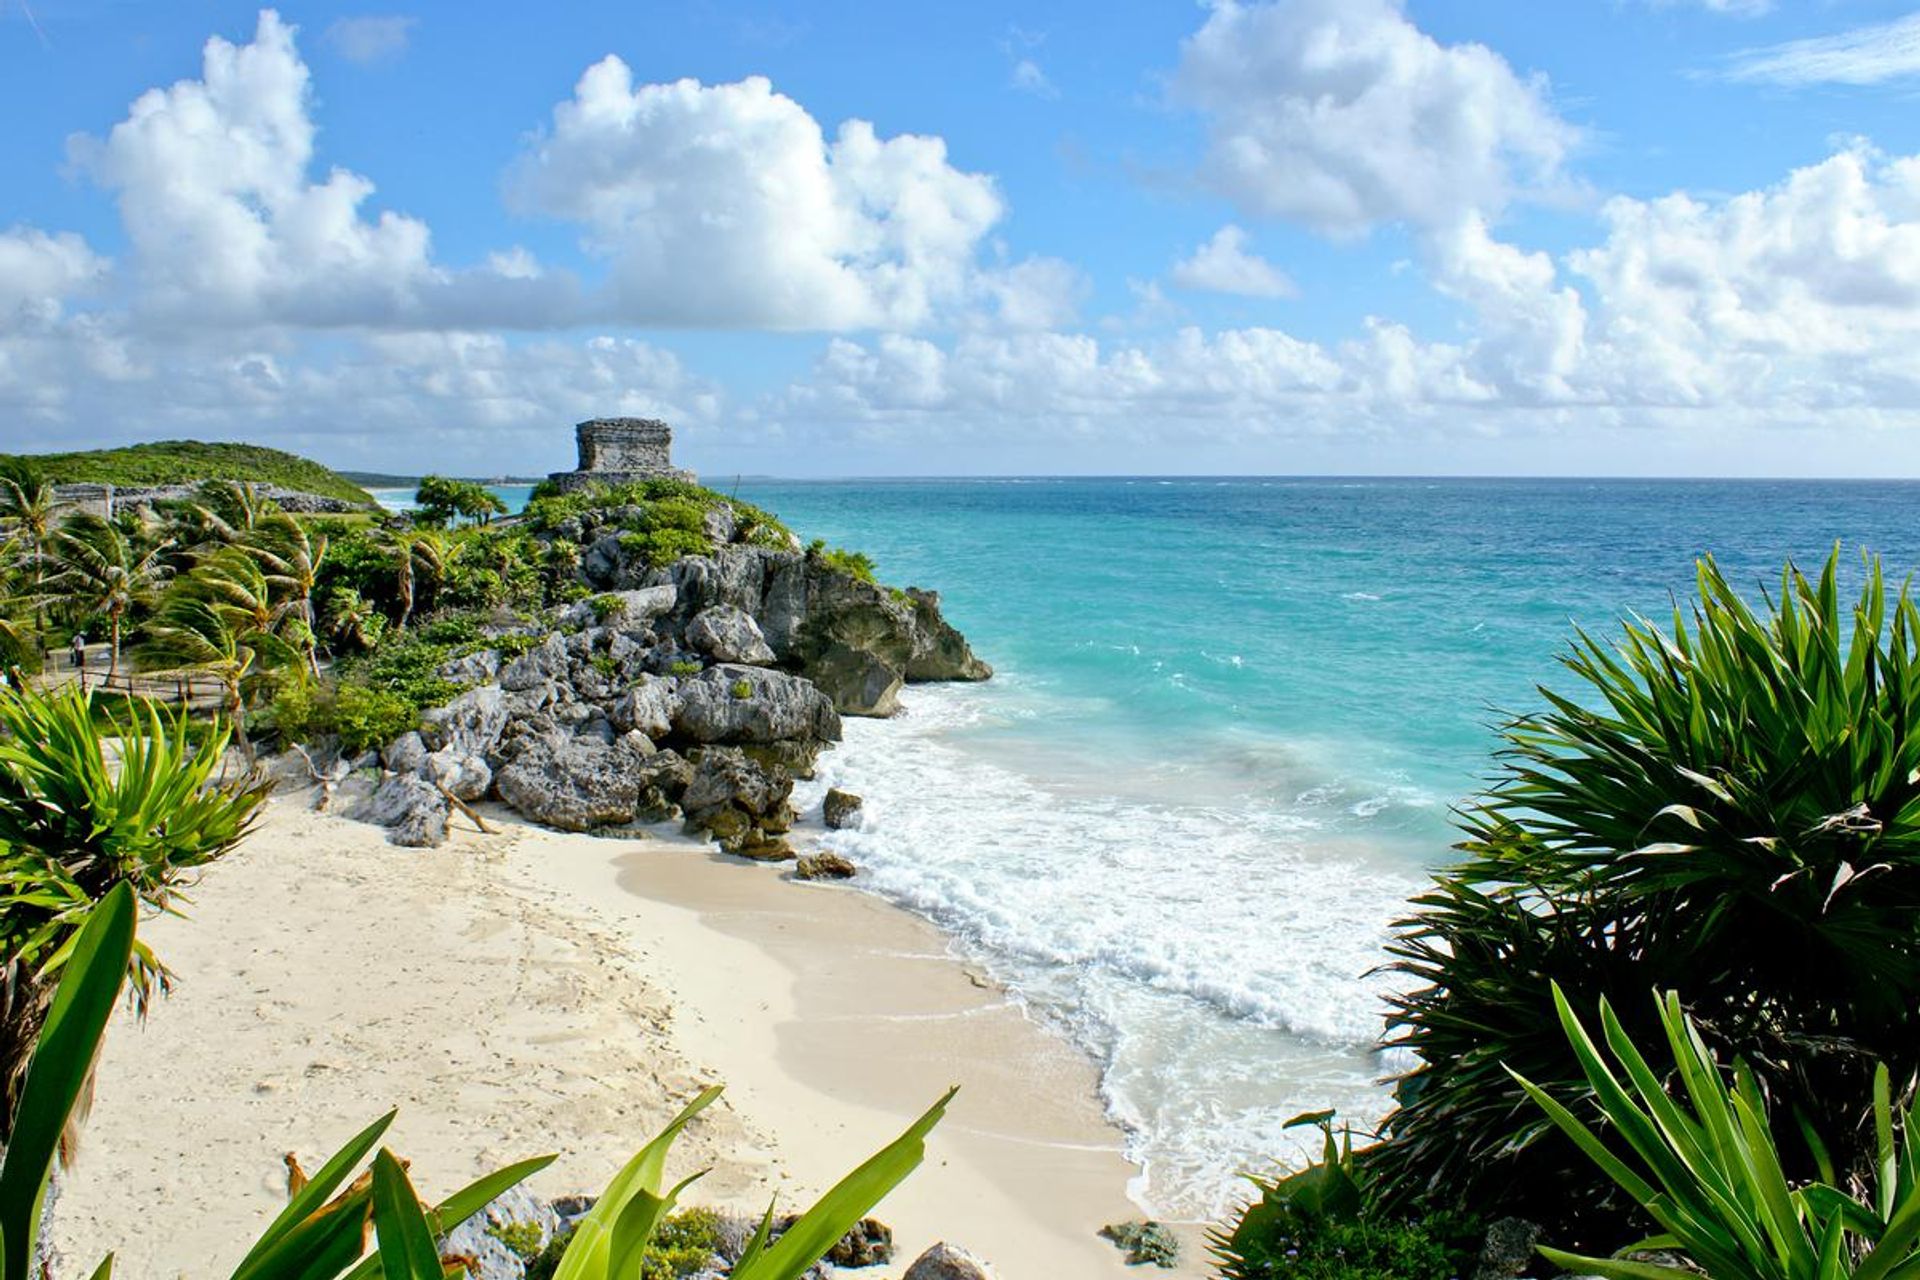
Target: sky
column 1601, row 237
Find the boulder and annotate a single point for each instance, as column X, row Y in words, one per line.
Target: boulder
column 719, row 525
column 727, row 634
column 412, row 810
column 860, row 683
column 405, row 754
column 647, row 706
column 470, row 724
column 477, row 1243
column 630, row 610
column 725, row 777
column 948, row 1262
column 734, row 704
column 464, row 775
column 841, row 809
column 575, row 784
column 472, row 668
column 824, row 866
column 940, row 652
column 544, row 664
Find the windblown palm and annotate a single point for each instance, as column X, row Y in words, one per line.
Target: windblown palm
column 419, row 560
column 27, row 508
column 201, row 632
column 107, row 570
column 291, row 554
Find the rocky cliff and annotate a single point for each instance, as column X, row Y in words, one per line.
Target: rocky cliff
column 696, row 690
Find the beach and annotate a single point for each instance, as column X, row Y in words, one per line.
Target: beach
column 529, row 991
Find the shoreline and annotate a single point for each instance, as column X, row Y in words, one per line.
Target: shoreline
column 531, row 991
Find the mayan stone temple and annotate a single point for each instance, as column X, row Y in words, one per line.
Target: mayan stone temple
column 620, row 451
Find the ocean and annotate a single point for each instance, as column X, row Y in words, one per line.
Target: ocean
column 1229, row 721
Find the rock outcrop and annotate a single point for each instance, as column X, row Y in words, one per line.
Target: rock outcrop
column 948, row 1262
column 693, row 691
column 841, row 809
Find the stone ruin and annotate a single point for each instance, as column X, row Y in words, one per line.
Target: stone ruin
column 621, row 451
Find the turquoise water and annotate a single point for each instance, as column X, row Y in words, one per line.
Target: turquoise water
column 1229, row 721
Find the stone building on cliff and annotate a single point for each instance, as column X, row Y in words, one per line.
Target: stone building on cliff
column 621, row 451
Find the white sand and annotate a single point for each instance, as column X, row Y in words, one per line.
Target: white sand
column 530, row 991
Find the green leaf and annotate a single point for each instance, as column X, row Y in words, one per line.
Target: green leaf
column 821, row 1227
column 406, row 1241
column 56, row 1073
column 310, row 1197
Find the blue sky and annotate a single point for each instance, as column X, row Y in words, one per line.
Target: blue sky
column 1591, row 236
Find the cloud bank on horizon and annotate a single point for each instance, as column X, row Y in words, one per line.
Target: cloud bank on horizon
column 1357, row 244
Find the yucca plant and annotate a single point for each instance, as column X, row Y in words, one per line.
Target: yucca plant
column 1705, row 1165
column 1728, row 806
column 77, row 820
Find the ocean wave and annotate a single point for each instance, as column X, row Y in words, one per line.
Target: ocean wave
column 1140, row 926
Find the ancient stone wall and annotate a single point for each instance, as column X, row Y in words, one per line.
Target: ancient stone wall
column 620, row 450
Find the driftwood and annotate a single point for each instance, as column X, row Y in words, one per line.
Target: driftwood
column 464, row 807
column 328, row 782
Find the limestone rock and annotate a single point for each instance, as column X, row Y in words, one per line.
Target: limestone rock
column 472, row 668
column 841, row 809
column 824, row 866
column 1508, row 1250
column 859, row 682
column 727, row 634
column 940, row 652
column 464, row 775
column 470, row 724
column 733, row 704
column 724, row 777
column 648, row 707
column 719, row 525
column 575, row 784
column 405, row 754
column 414, row 813
column 948, row 1262
column 488, row 1257
column 544, row 664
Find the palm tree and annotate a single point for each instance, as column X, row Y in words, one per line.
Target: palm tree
column 419, row 558
column 105, row 569
column 291, row 554
column 352, row 618
column 27, row 505
column 193, row 633
column 228, row 512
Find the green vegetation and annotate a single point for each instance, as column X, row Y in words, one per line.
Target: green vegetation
column 73, row 825
column 187, row 461
column 1706, row 1167
column 741, row 689
column 685, row 667
column 855, row 564
column 443, row 502
column 667, row 509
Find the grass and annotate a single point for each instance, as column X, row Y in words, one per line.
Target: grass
column 186, row 461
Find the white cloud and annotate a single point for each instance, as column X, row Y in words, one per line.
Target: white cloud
column 38, row 271
column 1864, row 55
column 227, row 226
column 726, row 205
column 371, row 39
column 1223, row 265
column 1029, row 78
column 1342, row 115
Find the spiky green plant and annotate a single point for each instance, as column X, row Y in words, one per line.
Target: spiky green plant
column 89, row 801
column 1704, row 1164
column 1728, row 806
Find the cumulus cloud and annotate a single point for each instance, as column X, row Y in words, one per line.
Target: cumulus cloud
column 368, row 40
column 1862, row 56
column 38, row 271
column 213, row 179
column 727, row 205
column 1343, row 115
column 1223, row 265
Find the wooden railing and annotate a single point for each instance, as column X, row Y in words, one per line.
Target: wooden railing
column 177, row 689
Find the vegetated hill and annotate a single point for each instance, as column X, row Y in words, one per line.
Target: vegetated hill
column 185, row 461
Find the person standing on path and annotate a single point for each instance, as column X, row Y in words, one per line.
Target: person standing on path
column 80, row 654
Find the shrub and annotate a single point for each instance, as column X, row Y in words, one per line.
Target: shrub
column 1705, row 1166
column 685, row 667
column 742, row 689
column 855, row 564
column 661, row 547
column 451, row 629
column 605, row 606
column 1732, row 811
column 301, row 711
column 1326, row 1222
column 367, row 719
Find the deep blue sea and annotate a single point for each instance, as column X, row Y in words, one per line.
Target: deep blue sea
column 1229, row 721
